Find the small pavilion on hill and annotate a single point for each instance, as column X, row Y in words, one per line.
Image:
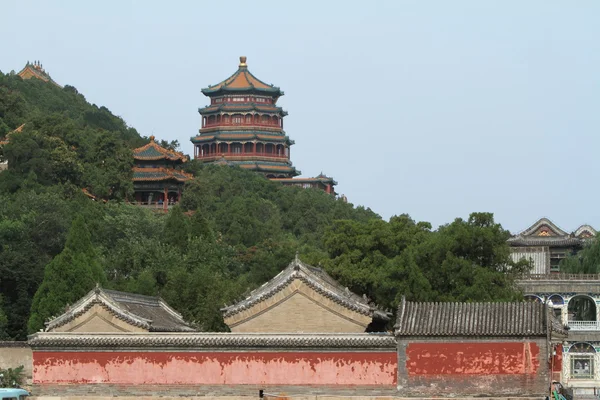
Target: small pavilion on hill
column 157, row 181
column 105, row 311
column 303, row 298
column 37, row 71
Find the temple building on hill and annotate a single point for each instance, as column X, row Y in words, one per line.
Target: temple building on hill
column 317, row 302
column 156, row 180
column 243, row 126
column 36, row 70
column 545, row 244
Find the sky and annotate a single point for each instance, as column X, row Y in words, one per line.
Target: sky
column 434, row 109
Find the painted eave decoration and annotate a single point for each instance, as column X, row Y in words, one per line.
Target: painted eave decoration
column 545, row 233
column 153, row 151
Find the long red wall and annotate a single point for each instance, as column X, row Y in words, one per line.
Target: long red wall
column 213, row 368
column 472, row 358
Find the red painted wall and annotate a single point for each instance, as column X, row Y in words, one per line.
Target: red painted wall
column 265, row 368
column 471, row 358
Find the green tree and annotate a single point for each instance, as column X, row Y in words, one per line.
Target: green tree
column 586, row 261
column 68, row 277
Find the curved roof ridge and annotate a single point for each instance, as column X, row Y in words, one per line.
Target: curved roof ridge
column 235, row 82
column 314, row 277
column 159, row 152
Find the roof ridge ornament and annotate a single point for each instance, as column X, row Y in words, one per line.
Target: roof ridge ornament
column 243, row 62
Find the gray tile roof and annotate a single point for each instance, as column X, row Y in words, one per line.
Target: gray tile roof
column 147, row 312
column 474, row 319
column 317, row 279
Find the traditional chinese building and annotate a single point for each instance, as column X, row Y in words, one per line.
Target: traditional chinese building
column 243, row 126
column 575, row 301
column 545, row 244
column 317, row 302
column 104, row 311
column 37, row 71
column 322, row 182
column 157, row 181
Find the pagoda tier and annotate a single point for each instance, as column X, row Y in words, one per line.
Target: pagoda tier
column 156, row 180
column 243, row 126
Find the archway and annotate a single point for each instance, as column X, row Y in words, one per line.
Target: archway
column 533, row 298
column 581, row 308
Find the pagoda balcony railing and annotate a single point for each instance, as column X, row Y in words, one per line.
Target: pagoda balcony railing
column 560, row 277
column 154, row 205
column 584, row 325
column 248, row 154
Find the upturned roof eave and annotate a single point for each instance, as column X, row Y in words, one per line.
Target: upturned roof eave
column 273, row 91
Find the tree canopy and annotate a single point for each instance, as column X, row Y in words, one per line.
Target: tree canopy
column 234, row 229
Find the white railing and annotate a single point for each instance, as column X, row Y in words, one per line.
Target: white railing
column 584, row 325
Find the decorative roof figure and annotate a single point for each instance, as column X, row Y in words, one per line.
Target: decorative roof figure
column 35, row 70
column 306, row 299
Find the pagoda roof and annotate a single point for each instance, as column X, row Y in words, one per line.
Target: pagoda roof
column 159, row 174
column 35, row 70
column 153, row 151
column 240, row 135
column 315, row 278
column 242, row 81
column 147, row 312
column 267, row 167
column 241, row 107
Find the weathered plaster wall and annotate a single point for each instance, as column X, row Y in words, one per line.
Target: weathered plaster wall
column 214, row 368
column 474, row 367
column 15, row 354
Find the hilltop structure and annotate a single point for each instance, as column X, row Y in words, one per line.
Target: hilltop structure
column 37, row 71
column 156, row 180
column 545, row 244
column 243, row 126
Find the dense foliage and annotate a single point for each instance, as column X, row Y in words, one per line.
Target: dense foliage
column 233, row 230
column 585, row 261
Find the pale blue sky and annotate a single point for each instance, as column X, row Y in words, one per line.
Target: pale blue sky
column 431, row 108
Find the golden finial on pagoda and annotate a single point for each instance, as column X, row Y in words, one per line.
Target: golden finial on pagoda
column 243, row 61
column 152, row 138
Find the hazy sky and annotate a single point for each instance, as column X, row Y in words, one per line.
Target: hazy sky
column 431, row 108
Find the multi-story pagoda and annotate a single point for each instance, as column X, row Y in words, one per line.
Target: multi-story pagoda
column 243, row 126
column 37, row 71
column 156, row 180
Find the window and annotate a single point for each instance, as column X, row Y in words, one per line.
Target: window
column 582, row 366
column 555, row 258
column 237, row 119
